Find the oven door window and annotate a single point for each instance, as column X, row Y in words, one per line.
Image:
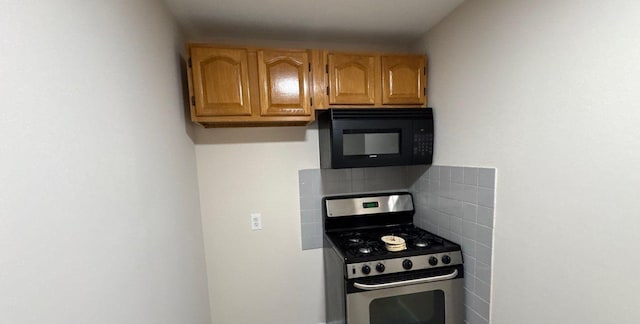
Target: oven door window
column 419, row 308
column 370, row 143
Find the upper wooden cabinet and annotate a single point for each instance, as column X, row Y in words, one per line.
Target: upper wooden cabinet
column 404, row 80
column 249, row 86
column 352, row 79
column 284, row 82
column 374, row 80
column 221, row 86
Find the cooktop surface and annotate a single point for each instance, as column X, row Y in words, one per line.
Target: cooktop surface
column 367, row 244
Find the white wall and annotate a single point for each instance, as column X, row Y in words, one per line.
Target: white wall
column 99, row 210
column 258, row 276
column 245, row 170
column 547, row 92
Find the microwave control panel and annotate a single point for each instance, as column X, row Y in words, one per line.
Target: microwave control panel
column 422, row 146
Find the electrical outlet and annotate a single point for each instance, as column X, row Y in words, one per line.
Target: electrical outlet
column 256, row 221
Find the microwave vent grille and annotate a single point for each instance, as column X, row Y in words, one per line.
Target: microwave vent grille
column 421, row 113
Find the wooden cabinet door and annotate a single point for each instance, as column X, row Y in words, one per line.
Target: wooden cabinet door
column 284, row 82
column 351, row 79
column 404, row 79
column 220, row 81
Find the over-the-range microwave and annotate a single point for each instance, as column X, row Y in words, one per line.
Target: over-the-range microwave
column 375, row 137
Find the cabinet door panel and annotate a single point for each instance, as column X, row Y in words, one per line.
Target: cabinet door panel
column 351, row 79
column 403, row 79
column 284, row 82
column 221, row 81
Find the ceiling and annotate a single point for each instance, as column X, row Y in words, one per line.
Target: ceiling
column 399, row 21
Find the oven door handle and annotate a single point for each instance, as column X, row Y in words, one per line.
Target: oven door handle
column 406, row 282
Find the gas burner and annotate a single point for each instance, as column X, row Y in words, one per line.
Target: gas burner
column 421, row 243
column 426, row 240
column 352, row 238
column 365, row 247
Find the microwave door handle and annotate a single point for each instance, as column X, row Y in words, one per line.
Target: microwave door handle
column 406, row 282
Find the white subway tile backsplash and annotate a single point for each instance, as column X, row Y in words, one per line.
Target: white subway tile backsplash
column 468, row 247
column 445, row 233
column 311, row 242
column 443, row 221
column 459, row 206
column 434, row 172
column 457, row 191
column 485, row 197
column 432, row 199
column 431, row 226
column 392, row 183
column 469, row 297
column 486, row 177
column 482, row 289
column 305, row 184
column 457, row 175
column 470, row 265
column 359, row 186
column 470, row 194
column 485, row 216
column 314, row 229
column 311, row 235
column 469, row 212
column 444, row 189
column 335, row 175
column 415, row 173
column 336, row 188
column 474, row 318
column 483, row 253
column 469, row 230
column 471, row 176
column 421, row 186
column 445, row 174
column 455, row 237
column 483, row 272
column 310, row 203
column 456, row 225
column 445, row 205
column 456, row 207
column 420, row 199
column 469, row 283
column 484, row 235
column 482, row 308
column 357, row 174
column 311, row 216
column 433, row 187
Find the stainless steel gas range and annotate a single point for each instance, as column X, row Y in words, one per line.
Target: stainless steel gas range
column 381, row 269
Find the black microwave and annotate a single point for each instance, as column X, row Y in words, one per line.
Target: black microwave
column 356, row 138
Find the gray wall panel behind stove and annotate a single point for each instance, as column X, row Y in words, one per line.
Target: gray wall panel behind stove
column 458, row 204
column 317, row 183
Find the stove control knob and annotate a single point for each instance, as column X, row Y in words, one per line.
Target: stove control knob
column 366, row 269
column 446, row 259
column 433, row 261
column 380, row 267
column 407, row 264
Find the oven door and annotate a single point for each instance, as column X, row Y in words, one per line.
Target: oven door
column 431, row 300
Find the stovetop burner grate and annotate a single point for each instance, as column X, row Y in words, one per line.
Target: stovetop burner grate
column 368, row 242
